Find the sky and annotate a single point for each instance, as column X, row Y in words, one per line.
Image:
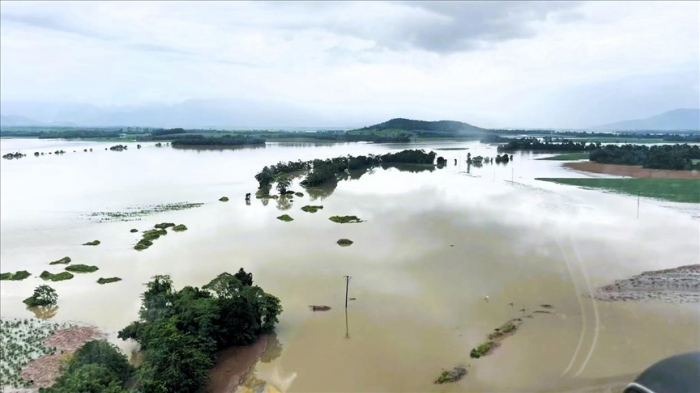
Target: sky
column 561, row 64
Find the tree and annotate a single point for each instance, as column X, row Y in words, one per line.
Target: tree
column 103, row 354
column 43, row 295
column 283, row 184
column 89, row 378
column 245, row 278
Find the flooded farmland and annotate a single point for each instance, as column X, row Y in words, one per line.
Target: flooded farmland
column 442, row 258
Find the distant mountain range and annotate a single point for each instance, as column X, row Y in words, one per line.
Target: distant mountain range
column 675, row 120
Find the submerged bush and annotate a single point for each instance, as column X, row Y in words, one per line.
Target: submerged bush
column 179, row 228
column 143, row 244
column 223, row 199
column 16, row 276
column 153, row 234
column 134, row 230
column 80, row 268
column 108, row 280
column 345, row 242
column 311, row 208
column 481, row 350
column 345, row 219
column 164, row 225
column 62, row 261
column 299, row 194
column 92, row 243
column 43, row 295
column 62, row 276
column 451, row 376
column 285, row 218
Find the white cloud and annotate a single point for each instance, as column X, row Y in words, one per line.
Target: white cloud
column 492, row 64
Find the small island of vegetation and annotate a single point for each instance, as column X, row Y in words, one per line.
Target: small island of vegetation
column 80, row 268
column 311, row 208
column 345, row 219
column 108, row 280
column 16, row 276
column 62, row 261
column 62, row 276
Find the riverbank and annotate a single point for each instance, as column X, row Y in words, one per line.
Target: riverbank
column 631, row 171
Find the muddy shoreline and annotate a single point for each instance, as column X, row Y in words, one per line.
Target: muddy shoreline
column 631, row 171
column 678, row 285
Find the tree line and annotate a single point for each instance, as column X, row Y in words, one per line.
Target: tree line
column 546, row 144
column 225, row 140
column 676, row 157
column 321, row 171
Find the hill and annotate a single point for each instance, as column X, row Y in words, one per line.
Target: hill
column 421, row 128
column 675, row 120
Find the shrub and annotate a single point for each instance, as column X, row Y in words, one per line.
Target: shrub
column 311, row 208
column 345, row 219
column 285, row 218
column 62, row 276
column 345, row 242
column 164, row 225
column 62, row 261
column 16, row 276
column 80, row 268
column 43, row 295
column 179, row 228
column 134, row 230
column 92, row 243
column 108, row 280
column 481, row 350
column 223, row 199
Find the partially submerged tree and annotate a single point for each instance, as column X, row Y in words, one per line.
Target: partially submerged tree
column 283, row 183
column 43, row 295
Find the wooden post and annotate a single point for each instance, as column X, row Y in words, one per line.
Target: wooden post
column 347, row 284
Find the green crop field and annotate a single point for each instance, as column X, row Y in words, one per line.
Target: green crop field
column 675, row 190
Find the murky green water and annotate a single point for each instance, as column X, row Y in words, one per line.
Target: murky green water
column 434, row 244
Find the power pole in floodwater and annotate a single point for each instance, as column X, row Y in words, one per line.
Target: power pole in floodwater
column 347, row 284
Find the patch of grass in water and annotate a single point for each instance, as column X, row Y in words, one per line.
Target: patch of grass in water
column 108, row 280
column 674, row 190
column 62, row 276
column 311, row 208
column 451, row 376
column 135, row 213
column 16, row 276
column 62, row 261
column 92, row 243
column 345, row 242
column 567, row 157
column 179, row 228
column 481, row 350
column 285, row 218
column 80, row 268
column 345, row 219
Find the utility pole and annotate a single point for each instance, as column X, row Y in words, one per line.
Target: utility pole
column 347, row 284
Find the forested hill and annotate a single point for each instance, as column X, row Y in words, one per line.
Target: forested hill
column 442, row 126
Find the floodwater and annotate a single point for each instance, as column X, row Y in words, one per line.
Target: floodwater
column 433, row 245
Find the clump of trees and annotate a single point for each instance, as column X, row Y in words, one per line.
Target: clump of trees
column 321, row 171
column 43, row 295
column 11, row 156
column 546, row 144
column 80, row 268
column 654, row 157
column 225, row 140
column 119, row 147
column 16, row 276
column 62, row 276
column 192, row 324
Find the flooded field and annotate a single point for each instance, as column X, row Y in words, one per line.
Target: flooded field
column 441, row 259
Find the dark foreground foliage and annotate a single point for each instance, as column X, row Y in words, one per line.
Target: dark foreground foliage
column 192, row 324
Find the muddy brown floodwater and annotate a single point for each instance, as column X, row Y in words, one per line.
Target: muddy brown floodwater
column 433, row 243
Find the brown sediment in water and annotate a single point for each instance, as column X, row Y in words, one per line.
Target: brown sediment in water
column 631, row 170
column 233, row 365
column 44, row 370
column 678, row 285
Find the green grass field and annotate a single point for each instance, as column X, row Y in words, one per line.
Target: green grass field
column 675, row 190
column 567, row 157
